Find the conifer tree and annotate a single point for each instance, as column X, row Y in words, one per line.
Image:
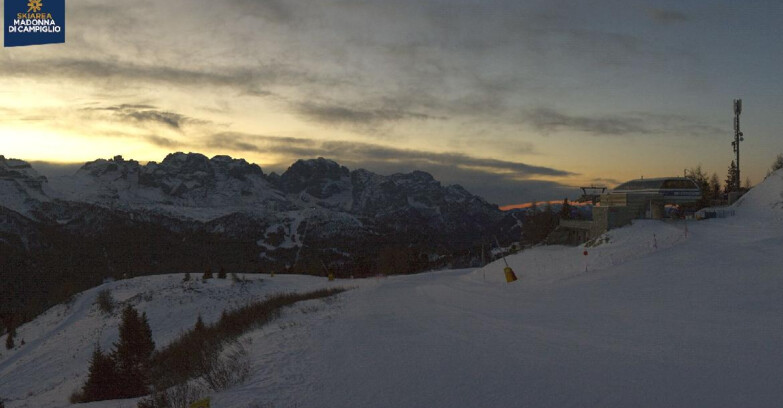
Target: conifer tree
column 715, row 186
column 536, row 225
column 731, row 178
column 699, row 176
column 777, row 164
column 102, row 381
column 133, row 353
column 565, row 211
column 187, row 277
column 207, row 274
column 125, row 372
column 222, row 273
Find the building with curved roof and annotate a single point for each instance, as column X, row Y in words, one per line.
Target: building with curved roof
column 671, row 190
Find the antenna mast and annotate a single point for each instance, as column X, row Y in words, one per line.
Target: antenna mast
column 737, row 137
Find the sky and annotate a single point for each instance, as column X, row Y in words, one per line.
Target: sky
column 514, row 100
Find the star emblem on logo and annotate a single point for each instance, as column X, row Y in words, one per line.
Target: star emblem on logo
column 35, row 5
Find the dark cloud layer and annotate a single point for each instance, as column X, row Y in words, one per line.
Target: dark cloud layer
column 333, row 114
column 162, row 141
column 147, row 114
column 551, row 120
column 372, row 153
column 249, row 80
column 498, row 181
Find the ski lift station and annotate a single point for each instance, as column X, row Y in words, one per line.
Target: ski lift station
column 634, row 199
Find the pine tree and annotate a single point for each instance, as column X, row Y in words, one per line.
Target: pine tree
column 777, row 164
column 133, row 353
column 731, row 178
column 207, row 274
column 536, row 225
column 715, row 186
column 187, row 277
column 102, row 381
column 565, row 211
column 222, row 273
column 699, row 176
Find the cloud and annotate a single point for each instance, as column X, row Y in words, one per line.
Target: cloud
column 498, row 181
column 355, row 152
column 551, row 120
column 162, row 141
column 290, row 147
column 605, row 181
column 628, row 124
column 249, row 80
column 336, row 114
column 173, row 120
column 667, row 16
column 147, row 114
column 269, row 10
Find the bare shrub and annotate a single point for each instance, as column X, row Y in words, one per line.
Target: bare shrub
column 182, row 395
column 212, row 353
column 105, row 301
column 229, row 368
column 178, row 396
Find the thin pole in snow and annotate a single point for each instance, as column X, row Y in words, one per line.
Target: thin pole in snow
column 483, row 262
column 585, row 254
column 501, row 252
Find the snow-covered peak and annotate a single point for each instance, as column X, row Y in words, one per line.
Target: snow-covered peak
column 180, row 183
column 20, row 170
column 21, row 187
column 116, row 165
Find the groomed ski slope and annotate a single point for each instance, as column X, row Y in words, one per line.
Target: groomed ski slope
column 660, row 318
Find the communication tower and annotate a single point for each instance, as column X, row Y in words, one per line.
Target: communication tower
column 737, row 138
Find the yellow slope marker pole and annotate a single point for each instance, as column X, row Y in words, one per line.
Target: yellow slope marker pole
column 202, row 403
column 510, row 276
column 329, row 273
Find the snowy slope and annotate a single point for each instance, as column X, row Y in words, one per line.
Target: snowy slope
column 659, row 314
column 765, row 201
column 58, row 344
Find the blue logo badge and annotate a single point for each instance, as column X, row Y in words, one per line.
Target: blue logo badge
column 31, row 22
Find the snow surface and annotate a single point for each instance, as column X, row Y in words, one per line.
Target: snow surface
column 658, row 314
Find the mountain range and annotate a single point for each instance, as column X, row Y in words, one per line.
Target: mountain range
column 117, row 217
